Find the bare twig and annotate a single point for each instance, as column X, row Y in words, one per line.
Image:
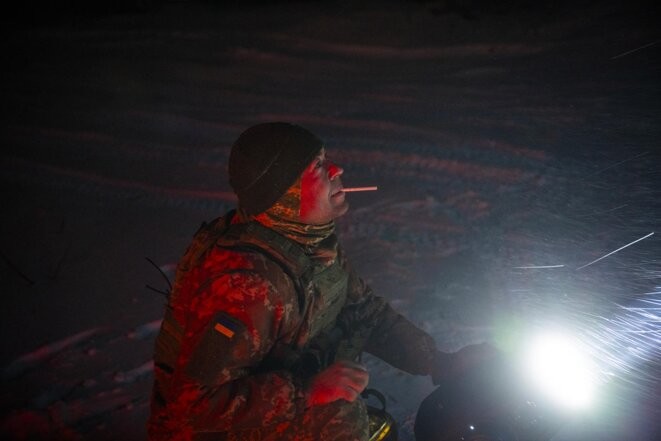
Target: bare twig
column 164, row 276
column 11, row 265
column 165, row 293
column 58, row 265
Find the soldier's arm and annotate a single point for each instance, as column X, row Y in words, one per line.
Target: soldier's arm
column 387, row 334
column 243, row 317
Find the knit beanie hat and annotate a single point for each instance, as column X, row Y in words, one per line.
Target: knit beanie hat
column 266, row 160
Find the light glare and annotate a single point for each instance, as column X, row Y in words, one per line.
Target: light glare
column 557, row 366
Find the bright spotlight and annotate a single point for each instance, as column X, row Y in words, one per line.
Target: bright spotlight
column 556, row 364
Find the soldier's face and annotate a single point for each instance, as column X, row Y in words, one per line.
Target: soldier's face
column 322, row 198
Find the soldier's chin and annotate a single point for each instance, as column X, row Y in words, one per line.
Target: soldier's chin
column 342, row 209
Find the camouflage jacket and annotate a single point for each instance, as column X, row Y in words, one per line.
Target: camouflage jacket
column 251, row 318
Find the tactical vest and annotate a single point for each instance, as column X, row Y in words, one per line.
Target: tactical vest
column 321, row 293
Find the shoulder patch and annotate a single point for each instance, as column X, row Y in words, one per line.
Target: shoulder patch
column 222, row 345
column 226, row 325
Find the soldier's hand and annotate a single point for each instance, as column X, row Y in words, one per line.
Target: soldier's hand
column 343, row 380
column 449, row 365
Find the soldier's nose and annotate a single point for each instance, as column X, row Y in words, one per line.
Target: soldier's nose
column 334, row 171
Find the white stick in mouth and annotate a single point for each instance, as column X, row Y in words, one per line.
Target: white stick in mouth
column 350, row 189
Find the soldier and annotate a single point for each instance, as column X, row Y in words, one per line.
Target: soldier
column 266, row 318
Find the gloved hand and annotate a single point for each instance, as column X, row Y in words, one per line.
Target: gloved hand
column 448, row 366
column 342, row 380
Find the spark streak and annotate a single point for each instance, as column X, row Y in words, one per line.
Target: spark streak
column 635, row 50
column 613, row 252
column 538, row 266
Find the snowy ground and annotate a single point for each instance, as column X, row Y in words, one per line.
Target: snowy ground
column 499, row 136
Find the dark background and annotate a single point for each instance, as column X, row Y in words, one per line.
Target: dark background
column 501, row 135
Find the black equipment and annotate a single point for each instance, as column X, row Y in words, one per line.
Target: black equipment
column 487, row 403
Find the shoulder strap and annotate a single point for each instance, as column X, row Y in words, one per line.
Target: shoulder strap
column 287, row 254
column 203, row 240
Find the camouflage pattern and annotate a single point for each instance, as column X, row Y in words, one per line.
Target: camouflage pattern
column 337, row 421
column 251, row 318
